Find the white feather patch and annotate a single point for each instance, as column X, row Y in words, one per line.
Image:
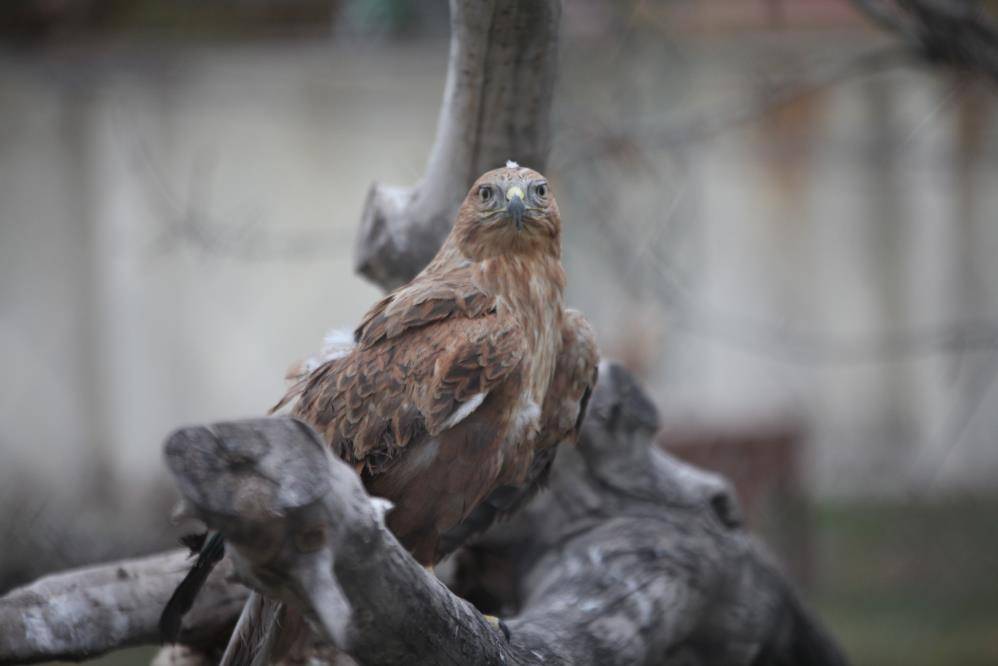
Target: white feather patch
column 510, row 164
column 466, row 408
column 337, row 344
column 528, row 416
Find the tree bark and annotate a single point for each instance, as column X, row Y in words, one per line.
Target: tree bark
column 83, row 613
column 496, row 107
column 631, row 558
column 962, row 33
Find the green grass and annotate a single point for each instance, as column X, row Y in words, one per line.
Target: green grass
column 910, row 583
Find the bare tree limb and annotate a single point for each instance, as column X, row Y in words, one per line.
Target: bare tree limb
column 83, row 613
column 958, row 32
column 885, row 15
column 631, row 557
column 496, row 107
column 705, row 124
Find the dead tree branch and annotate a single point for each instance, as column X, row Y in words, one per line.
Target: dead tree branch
column 83, row 613
column 496, row 107
column 957, row 32
column 632, row 556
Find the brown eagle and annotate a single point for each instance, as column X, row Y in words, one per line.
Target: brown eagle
column 442, row 400
column 458, row 386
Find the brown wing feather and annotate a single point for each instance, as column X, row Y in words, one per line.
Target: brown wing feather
column 564, row 411
column 380, row 399
column 473, row 367
column 574, row 379
column 422, row 302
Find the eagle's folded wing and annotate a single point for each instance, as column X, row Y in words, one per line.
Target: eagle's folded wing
column 380, row 400
column 574, row 379
column 562, row 416
column 420, row 303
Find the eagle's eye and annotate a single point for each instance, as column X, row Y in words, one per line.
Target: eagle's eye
column 541, row 190
column 485, row 193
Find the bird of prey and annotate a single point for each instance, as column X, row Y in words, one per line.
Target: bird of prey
column 457, row 387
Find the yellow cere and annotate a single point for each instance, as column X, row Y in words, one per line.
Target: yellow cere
column 514, row 192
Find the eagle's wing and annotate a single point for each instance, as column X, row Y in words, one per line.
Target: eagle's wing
column 425, row 358
column 564, row 410
column 423, row 302
column 420, row 303
column 384, row 397
column 574, row 379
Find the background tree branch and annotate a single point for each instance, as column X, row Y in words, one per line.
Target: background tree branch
column 496, row 107
column 958, row 32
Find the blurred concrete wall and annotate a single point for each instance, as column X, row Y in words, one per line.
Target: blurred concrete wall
column 176, row 227
column 820, row 259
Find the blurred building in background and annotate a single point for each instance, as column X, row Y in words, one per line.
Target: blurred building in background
column 777, row 223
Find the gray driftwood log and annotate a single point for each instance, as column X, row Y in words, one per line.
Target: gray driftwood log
column 631, row 557
column 496, row 107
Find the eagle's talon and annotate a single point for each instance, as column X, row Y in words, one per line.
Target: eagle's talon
column 498, row 624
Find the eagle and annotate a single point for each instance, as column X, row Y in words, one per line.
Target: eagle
column 455, row 390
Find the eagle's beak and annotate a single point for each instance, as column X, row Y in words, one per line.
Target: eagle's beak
column 515, row 207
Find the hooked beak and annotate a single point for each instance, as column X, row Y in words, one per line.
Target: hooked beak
column 515, row 207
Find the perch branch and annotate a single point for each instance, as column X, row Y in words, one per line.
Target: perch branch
column 631, row 556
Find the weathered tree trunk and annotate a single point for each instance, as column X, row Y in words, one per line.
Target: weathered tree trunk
column 496, row 107
column 631, row 557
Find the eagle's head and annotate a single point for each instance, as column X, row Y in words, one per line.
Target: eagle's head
column 508, row 211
